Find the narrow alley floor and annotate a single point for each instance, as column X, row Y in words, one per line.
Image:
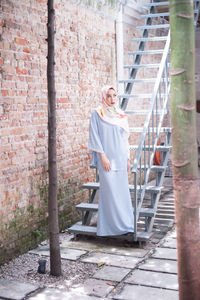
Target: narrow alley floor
column 95, row 268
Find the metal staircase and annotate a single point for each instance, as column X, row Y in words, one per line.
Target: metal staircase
column 151, row 134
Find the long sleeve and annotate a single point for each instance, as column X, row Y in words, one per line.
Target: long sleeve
column 125, row 137
column 94, row 144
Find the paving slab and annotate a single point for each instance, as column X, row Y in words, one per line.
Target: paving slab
column 173, row 234
column 165, row 253
column 71, row 254
column 153, row 279
column 11, row 289
column 111, row 273
column 160, row 265
column 112, row 259
column 96, row 287
column 170, row 243
column 62, row 294
column 132, row 292
column 84, row 245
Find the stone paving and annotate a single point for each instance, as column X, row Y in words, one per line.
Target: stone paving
column 124, row 273
column 15, row 290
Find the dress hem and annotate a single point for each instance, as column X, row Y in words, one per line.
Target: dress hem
column 109, row 235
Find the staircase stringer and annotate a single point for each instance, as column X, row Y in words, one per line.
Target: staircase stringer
column 133, row 72
column 144, row 140
column 157, row 198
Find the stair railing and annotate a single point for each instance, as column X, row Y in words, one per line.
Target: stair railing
column 136, row 61
column 149, row 138
column 146, row 149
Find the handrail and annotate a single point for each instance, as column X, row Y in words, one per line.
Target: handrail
column 162, row 82
column 155, row 91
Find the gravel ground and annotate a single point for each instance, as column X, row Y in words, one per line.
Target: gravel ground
column 24, row 268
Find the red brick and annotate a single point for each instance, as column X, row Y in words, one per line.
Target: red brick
column 2, row 22
column 26, row 50
column 4, row 93
column 21, row 71
column 21, row 41
column 17, row 131
column 63, row 100
column 11, row 154
column 8, row 69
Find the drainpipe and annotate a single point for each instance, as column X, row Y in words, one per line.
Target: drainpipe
column 120, row 49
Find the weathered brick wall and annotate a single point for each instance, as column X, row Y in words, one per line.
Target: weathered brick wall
column 85, row 60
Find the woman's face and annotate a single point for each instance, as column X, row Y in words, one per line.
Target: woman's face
column 111, row 97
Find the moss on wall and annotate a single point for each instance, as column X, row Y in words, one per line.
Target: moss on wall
column 29, row 225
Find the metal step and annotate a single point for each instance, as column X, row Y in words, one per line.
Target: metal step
column 87, row 206
column 83, row 229
column 140, row 96
column 144, row 236
column 151, row 80
column 90, row 230
column 163, row 221
column 154, row 168
column 147, row 80
column 157, row 15
column 141, row 52
column 140, row 112
column 165, row 14
column 140, row 129
column 149, row 189
column 153, row 189
column 144, row 212
column 160, row 26
column 148, row 66
column 168, row 204
column 165, row 215
column 165, row 210
column 164, row 3
column 150, row 39
column 158, row 148
column 165, row 207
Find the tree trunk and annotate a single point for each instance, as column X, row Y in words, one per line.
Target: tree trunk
column 55, row 259
column 184, row 148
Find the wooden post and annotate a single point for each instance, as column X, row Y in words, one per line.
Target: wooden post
column 184, row 148
column 55, row 259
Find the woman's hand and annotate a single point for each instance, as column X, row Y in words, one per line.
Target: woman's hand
column 128, row 165
column 105, row 162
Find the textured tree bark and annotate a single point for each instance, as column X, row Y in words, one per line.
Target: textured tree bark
column 184, row 148
column 55, row 259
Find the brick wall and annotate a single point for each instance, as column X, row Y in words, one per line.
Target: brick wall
column 85, row 61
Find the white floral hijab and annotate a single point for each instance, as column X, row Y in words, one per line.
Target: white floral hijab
column 112, row 114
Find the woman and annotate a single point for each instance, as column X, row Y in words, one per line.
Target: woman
column 108, row 142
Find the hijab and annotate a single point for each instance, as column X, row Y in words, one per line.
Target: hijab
column 112, row 114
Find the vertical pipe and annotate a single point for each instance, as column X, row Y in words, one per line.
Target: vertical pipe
column 135, row 205
column 120, row 49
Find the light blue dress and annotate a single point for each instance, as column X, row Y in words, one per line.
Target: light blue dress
column 115, row 214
